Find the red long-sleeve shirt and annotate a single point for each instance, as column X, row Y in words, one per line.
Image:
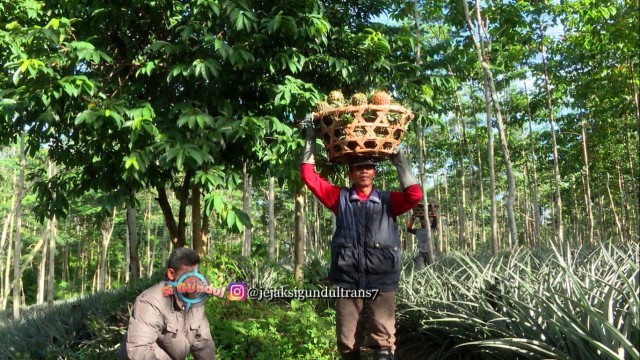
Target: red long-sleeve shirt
column 329, row 195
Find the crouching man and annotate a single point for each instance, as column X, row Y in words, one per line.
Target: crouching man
column 162, row 326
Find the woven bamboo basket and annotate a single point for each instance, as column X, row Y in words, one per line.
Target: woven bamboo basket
column 418, row 210
column 372, row 131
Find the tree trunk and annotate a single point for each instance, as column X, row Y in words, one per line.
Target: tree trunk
column 439, row 221
column 461, row 215
column 204, row 232
column 614, row 212
column 7, row 279
column 42, row 272
column 163, row 255
column 51, row 253
column 127, row 251
column 636, row 102
column 446, row 246
column 623, row 204
column 534, row 176
column 465, row 150
column 169, row 220
column 478, row 45
column 152, row 254
column 462, row 232
column 246, row 207
column 176, row 230
column 472, row 189
column 82, row 267
column 603, row 228
column 7, row 228
column 587, row 185
column 196, row 221
column 17, row 250
column 272, row 219
column 309, row 227
column 556, row 167
column 17, row 279
column 108, row 284
column 425, row 199
column 481, row 181
column 300, row 235
column 66, row 253
column 525, row 209
column 492, row 99
column 134, row 242
column 633, row 187
column 147, row 217
column 420, row 133
column 460, row 190
column 107, row 230
column 492, row 175
column 317, row 211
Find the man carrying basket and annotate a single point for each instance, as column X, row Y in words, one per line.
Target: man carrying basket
column 365, row 248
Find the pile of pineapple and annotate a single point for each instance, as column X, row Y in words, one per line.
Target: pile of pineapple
column 336, row 99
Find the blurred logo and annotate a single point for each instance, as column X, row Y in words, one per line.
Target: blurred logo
column 192, row 288
column 237, row 291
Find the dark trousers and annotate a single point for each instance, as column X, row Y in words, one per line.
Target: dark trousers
column 422, row 259
column 357, row 319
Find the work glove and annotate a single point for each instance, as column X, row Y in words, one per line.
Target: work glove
column 309, row 151
column 404, row 170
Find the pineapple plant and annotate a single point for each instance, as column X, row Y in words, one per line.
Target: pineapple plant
column 335, row 98
column 381, row 98
column 358, row 99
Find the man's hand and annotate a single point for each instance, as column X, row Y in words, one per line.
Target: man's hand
column 404, row 170
column 309, row 151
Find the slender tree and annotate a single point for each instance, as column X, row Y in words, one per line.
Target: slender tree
column 559, row 222
column 106, row 229
column 272, row 219
column 52, row 226
column 483, row 57
column 17, row 239
column 587, row 184
column 133, row 270
column 300, row 235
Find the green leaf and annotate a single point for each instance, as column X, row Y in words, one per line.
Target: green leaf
column 14, row 25
column 217, row 204
column 274, row 24
column 231, row 219
column 131, row 161
column 87, row 116
column 16, row 76
column 158, row 45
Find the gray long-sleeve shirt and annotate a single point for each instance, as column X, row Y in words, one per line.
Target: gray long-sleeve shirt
column 160, row 329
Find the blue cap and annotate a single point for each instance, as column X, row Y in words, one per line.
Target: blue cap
column 361, row 161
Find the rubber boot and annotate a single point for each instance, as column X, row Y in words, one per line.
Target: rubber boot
column 354, row 355
column 382, row 354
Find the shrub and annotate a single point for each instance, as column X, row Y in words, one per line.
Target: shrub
column 261, row 330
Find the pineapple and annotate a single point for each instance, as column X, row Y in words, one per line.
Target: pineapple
column 359, row 99
column 322, row 106
column 335, row 98
column 381, row 98
column 393, row 117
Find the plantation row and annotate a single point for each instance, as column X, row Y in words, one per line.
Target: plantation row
column 543, row 304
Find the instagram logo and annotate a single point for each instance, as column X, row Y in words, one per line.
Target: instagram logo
column 237, row 291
